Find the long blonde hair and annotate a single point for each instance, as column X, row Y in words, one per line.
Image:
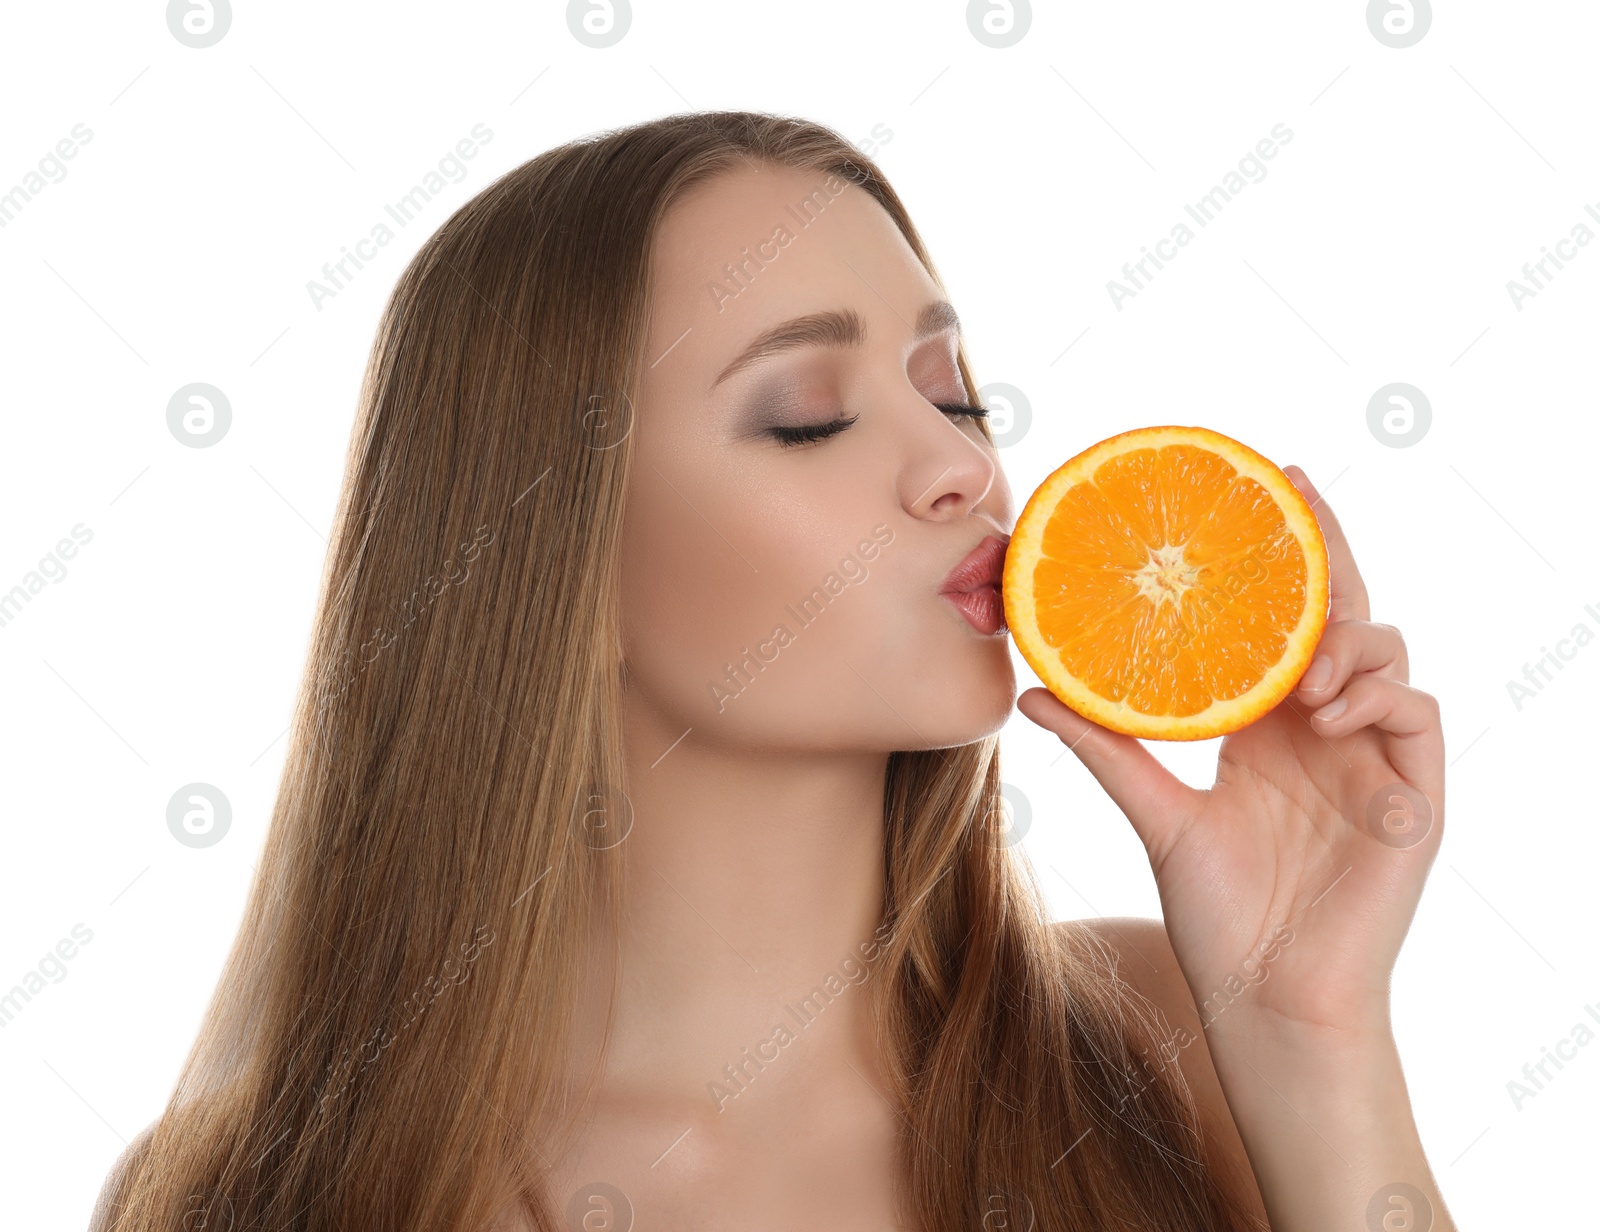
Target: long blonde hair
column 388, row 1044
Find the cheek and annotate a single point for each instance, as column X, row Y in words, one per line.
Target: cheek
column 713, row 565
column 708, row 567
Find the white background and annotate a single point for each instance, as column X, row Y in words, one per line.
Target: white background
column 178, row 248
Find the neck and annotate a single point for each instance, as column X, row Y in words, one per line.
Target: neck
column 753, row 880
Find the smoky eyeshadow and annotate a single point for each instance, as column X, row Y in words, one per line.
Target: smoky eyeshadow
column 783, row 403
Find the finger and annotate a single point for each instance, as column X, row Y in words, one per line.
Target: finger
column 1347, row 592
column 1155, row 801
column 1348, row 647
column 1408, row 718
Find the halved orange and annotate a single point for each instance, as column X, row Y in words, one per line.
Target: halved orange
column 1168, row 582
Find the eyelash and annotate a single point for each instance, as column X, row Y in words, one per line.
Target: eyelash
column 809, row 433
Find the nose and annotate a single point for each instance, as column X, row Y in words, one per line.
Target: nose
column 948, row 468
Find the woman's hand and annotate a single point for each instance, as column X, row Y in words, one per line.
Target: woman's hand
column 1288, row 885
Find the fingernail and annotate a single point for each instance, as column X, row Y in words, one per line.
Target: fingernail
column 1332, row 710
column 1319, row 673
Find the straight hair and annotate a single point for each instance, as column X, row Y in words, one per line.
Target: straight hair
column 388, row 1044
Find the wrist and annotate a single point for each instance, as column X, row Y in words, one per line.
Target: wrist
column 1324, row 1116
column 1349, row 1074
column 1335, row 1039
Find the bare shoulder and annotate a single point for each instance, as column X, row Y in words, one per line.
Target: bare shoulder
column 110, row 1193
column 1143, row 956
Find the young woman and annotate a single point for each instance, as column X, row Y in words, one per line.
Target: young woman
column 638, row 861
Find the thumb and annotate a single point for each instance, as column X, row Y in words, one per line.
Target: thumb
column 1154, row 800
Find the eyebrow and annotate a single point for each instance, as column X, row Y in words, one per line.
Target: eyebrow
column 834, row 328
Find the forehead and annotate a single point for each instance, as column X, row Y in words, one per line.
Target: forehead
column 758, row 245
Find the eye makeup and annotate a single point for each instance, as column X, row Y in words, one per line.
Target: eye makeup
column 806, row 434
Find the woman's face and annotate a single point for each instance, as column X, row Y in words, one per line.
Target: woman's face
column 788, row 595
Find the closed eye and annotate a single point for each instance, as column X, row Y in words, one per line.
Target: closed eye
column 806, row 434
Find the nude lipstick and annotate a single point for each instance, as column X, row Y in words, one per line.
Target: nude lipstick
column 973, row 586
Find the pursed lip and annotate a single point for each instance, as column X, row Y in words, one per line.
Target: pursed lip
column 983, row 566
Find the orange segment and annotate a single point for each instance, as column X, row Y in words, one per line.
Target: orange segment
column 1168, row 582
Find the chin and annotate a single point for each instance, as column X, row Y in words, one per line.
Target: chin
column 975, row 698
